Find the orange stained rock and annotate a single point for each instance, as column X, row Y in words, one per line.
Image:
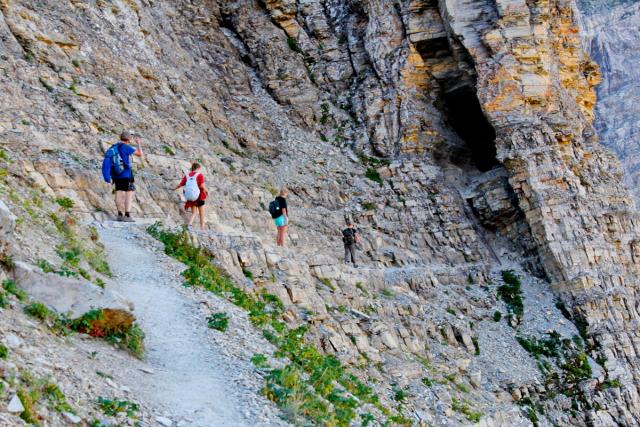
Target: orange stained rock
column 415, row 74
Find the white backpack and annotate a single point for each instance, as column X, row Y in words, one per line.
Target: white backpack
column 191, row 190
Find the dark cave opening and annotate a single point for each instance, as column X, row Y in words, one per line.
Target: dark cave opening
column 464, row 114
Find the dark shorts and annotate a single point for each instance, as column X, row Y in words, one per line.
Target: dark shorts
column 194, row 204
column 124, row 184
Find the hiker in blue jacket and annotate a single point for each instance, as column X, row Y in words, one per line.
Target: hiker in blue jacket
column 116, row 168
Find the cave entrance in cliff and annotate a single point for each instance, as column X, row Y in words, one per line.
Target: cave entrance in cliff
column 464, row 114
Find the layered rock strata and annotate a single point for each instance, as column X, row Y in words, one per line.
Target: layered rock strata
column 456, row 132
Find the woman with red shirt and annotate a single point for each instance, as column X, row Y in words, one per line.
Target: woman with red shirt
column 196, row 206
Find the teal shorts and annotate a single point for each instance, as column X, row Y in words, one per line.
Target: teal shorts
column 281, row 221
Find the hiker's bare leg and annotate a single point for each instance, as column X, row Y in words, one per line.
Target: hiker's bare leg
column 201, row 211
column 279, row 237
column 120, row 196
column 284, row 235
column 128, row 201
column 194, row 212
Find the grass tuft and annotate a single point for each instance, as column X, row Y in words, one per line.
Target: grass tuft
column 373, row 175
column 218, row 321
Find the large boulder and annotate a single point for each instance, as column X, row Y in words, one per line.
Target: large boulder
column 68, row 294
column 493, row 200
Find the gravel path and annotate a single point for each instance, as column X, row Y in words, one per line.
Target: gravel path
column 191, row 377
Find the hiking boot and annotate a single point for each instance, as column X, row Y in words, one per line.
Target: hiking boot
column 120, row 218
column 127, row 219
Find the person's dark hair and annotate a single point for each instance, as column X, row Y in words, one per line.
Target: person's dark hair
column 195, row 166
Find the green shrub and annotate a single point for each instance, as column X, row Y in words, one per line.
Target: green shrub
column 546, row 347
column 46, row 84
column 168, row 150
column 511, row 293
column 497, row 316
column 70, row 256
column 293, row 45
column 98, row 262
column 260, row 360
column 368, row 206
column 476, row 345
column 55, row 396
column 464, row 408
column 248, row 274
column 65, row 202
column 115, row 407
column 577, row 368
column 373, row 175
column 11, row 287
column 29, row 415
column 39, row 311
column 218, row 321
column 4, row 352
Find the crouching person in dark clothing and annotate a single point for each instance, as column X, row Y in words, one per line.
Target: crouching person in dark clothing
column 350, row 238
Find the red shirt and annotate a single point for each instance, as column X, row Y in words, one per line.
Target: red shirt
column 199, row 181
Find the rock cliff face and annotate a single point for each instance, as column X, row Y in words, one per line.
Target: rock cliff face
column 457, row 133
column 610, row 40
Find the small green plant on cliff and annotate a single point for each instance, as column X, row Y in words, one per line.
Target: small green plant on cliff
column 260, row 361
column 368, row 206
column 46, row 84
column 293, row 44
column 373, row 175
column 115, row 407
column 38, row 392
column 4, row 352
column 39, row 311
column 218, row 321
column 497, row 316
column 462, row 407
column 541, row 347
column 248, row 274
column 65, row 202
column 511, row 293
column 11, row 287
column 325, row 113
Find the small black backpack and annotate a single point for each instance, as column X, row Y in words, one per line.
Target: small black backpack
column 349, row 236
column 274, row 209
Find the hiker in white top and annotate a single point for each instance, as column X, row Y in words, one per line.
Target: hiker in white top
column 195, row 192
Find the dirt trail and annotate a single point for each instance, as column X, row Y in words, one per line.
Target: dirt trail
column 195, row 381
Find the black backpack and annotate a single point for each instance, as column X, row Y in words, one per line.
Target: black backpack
column 274, row 209
column 349, row 236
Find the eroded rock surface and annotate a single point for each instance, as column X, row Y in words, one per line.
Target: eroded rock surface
column 391, row 114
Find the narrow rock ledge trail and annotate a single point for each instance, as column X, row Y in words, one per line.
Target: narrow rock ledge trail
column 196, row 377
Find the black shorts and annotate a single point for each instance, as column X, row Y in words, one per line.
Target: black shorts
column 124, row 184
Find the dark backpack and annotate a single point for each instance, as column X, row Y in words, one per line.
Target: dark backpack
column 274, row 209
column 349, row 236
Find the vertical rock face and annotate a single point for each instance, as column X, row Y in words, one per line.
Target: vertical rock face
column 608, row 30
column 479, row 114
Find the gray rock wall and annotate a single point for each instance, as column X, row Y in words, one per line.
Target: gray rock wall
column 612, row 39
